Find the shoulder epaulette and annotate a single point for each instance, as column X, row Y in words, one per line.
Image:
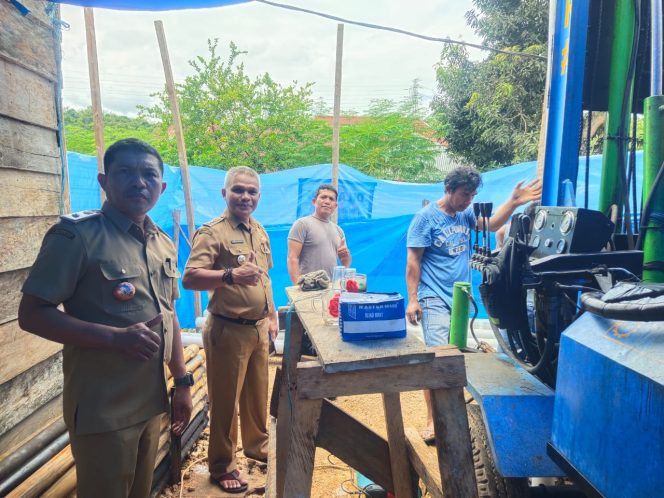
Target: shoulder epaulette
column 213, row 222
column 80, row 216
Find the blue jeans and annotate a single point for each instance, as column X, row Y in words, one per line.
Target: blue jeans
column 435, row 321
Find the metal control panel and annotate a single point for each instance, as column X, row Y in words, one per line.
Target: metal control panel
column 568, row 230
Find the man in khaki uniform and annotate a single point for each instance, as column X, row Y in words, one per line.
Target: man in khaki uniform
column 115, row 273
column 230, row 256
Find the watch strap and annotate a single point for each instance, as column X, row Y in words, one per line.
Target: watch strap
column 186, row 380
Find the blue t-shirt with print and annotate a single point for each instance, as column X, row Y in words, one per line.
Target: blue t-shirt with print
column 446, row 256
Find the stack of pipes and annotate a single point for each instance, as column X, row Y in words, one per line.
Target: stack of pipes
column 44, row 466
column 194, row 356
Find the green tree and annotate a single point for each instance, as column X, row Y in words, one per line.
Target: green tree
column 490, row 111
column 79, row 129
column 392, row 141
column 230, row 119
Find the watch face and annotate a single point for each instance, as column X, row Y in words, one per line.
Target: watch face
column 540, row 219
column 567, row 223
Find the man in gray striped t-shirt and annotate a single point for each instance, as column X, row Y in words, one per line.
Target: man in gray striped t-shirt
column 315, row 242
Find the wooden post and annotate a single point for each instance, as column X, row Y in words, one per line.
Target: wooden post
column 176, row 233
column 95, row 90
column 455, row 455
column 337, row 111
column 287, row 391
column 300, row 459
column 179, row 136
column 396, row 439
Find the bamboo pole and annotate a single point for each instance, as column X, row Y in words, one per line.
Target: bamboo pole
column 176, row 233
column 34, row 485
column 95, row 90
column 179, row 137
column 336, row 118
column 63, row 486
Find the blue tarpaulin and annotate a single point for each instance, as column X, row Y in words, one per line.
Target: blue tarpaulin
column 374, row 213
column 151, row 4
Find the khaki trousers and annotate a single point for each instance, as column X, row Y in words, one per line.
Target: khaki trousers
column 237, row 375
column 116, row 464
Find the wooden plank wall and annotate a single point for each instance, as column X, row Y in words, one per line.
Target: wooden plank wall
column 30, row 182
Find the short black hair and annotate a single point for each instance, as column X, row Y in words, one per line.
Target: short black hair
column 326, row 186
column 464, row 177
column 132, row 145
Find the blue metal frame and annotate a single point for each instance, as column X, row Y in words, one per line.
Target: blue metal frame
column 607, row 420
column 561, row 161
column 517, row 410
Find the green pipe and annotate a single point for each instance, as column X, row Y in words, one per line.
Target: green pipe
column 459, row 319
column 653, row 156
column 616, row 124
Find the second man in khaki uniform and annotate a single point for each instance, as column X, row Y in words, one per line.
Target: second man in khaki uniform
column 231, row 256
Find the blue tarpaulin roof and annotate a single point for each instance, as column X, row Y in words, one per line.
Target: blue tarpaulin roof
column 374, row 213
column 152, row 4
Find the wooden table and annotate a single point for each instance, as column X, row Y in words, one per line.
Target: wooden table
column 305, row 419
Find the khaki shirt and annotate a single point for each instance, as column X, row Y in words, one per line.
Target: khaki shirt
column 224, row 243
column 82, row 261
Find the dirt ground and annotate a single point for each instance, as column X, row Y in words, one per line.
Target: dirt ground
column 332, row 477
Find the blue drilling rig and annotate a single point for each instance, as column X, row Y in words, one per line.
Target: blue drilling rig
column 576, row 295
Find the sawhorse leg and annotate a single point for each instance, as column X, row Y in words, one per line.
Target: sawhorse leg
column 302, row 451
column 455, row 456
column 396, row 439
column 287, row 394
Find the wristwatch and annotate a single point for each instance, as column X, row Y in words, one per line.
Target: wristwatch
column 186, row 380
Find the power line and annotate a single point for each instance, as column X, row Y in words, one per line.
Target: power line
column 400, row 31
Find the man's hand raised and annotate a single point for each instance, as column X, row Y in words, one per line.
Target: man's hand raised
column 249, row 273
column 522, row 195
column 138, row 341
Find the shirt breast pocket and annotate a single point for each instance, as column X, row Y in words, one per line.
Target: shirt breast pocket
column 120, row 287
column 239, row 254
column 168, row 279
column 265, row 254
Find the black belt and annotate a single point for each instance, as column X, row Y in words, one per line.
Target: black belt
column 239, row 321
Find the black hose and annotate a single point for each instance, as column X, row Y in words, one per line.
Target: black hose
column 472, row 320
column 592, row 301
column 622, row 163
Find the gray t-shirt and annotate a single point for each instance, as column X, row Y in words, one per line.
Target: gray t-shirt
column 320, row 242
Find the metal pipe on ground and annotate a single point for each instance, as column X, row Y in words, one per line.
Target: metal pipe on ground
column 31, row 466
column 10, row 464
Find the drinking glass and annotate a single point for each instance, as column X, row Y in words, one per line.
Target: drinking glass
column 326, row 297
column 349, row 275
column 338, row 277
column 361, row 280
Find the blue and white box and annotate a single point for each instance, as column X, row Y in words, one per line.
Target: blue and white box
column 371, row 315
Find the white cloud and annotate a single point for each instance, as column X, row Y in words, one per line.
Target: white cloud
column 288, row 45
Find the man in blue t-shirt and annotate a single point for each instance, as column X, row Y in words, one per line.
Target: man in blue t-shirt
column 439, row 254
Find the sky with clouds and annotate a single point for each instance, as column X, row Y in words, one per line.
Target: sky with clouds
column 288, row 45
